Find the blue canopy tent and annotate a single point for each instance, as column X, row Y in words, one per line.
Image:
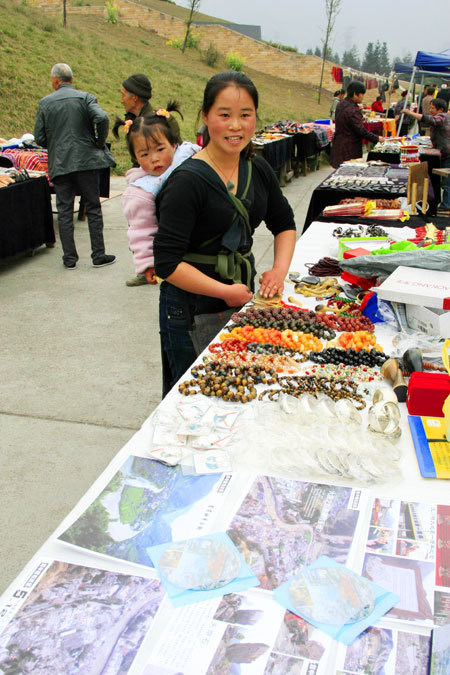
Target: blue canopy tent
column 426, row 63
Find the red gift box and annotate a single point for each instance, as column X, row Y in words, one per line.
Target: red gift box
column 427, row 393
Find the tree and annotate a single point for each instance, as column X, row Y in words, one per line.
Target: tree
column 385, row 66
column 332, row 8
column 317, row 52
column 64, row 13
column 368, row 63
column 193, row 6
column 309, row 52
column 351, row 59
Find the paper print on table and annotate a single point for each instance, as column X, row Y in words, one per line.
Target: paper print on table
column 372, row 652
column 441, row 608
column 385, row 513
column 382, row 651
column 283, row 525
column 297, row 637
column 281, row 664
column 244, row 610
column 443, row 546
column 92, row 620
column 412, row 580
column 416, row 535
column 241, row 650
column 144, row 504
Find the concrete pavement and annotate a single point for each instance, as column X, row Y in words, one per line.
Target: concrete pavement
column 80, row 372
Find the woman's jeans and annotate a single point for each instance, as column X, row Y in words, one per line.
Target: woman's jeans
column 176, row 345
column 446, row 184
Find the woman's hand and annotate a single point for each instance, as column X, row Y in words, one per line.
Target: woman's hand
column 150, row 275
column 272, row 283
column 237, row 295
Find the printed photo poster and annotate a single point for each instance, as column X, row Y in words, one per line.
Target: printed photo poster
column 384, row 651
column 283, row 525
column 68, row 618
column 144, row 504
column 406, row 549
column 243, row 633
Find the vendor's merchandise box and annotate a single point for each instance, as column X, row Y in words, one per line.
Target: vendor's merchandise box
column 417, row 286
column 368, row 243
column 428, row 320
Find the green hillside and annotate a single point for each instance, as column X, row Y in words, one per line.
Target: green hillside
column 102, row 55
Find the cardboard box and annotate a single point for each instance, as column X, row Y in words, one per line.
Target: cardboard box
column 416, row 286
column 428, row 320
column 369, row 243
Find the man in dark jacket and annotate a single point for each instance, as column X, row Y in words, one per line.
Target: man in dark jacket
column 73, row 127
column 350, row 130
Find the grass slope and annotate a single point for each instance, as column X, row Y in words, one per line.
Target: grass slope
column 102, row 55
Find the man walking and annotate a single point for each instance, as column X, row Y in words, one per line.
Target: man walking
column 74, row 128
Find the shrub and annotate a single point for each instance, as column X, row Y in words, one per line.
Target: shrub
column 112, row 12
column 191, row 42
column 235, row 61
column 211, row 55
column 177, row 44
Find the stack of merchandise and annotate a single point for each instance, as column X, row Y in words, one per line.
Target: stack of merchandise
column 409, row 154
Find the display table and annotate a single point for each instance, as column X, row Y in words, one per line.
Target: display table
column 87, row 603
column 328, row 196
column 26, row 220
column 278, row 153
column 432, row 156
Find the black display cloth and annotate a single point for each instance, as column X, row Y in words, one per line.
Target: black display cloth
column 414, row 221
column 433, row 159
column 326, row 196
column 278, row 152
column 26, row 220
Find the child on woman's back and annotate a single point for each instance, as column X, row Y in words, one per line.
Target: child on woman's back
column 154, row 143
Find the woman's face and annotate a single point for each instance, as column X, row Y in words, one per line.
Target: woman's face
column 231, row 120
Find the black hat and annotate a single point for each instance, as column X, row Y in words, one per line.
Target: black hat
column 138, row 84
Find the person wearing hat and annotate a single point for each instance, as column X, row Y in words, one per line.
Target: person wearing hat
column 136, row 92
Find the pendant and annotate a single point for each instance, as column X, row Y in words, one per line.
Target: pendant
column 230, row 185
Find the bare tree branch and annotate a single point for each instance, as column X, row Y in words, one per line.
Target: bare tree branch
column 332, row 9
column 193, row 6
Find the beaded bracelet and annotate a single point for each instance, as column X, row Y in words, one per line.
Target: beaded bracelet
column 334, row 389
column 351, row 357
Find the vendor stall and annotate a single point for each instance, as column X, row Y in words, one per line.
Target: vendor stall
column 26, row 220
column 375, row 181
column 291, row 481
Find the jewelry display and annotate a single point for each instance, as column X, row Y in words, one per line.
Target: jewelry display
column 298, row 341
column 280, row 363
column 325, row 289
column 384, row 418
column 283, row 318
column 370, row 358
column 326, row 267
column 226, row 381
column 358, row 374
column 298, row 385
column 358, row 340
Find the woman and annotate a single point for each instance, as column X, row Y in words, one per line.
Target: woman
column 350, row 130
column 208, row 210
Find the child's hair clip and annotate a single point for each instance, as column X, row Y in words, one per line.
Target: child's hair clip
column 127, row 125
column 162, row 112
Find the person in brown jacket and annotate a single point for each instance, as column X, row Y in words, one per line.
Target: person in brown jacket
column 350, row 130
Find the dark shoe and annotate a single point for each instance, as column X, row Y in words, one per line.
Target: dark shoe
column 70, row 266
column 104, row 260
column 138, row 280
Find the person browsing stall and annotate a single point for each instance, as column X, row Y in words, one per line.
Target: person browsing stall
column 338, row 96
column 155, row 144
column 208, row 210
column 439, row 122
column 74, row 128
column 377, row 105
column 350, row 130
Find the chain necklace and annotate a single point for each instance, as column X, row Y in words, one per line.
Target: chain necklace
column 228, row 182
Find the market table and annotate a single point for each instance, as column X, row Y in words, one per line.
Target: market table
column 430, row 155
column 26, row 220
column 278, row 153
column 86, row 602
column 328, row 196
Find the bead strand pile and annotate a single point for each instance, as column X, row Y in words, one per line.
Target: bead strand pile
column 298, row 385
column 283, row 318
column 225, row 381
column 369, row 359
column 299, row 341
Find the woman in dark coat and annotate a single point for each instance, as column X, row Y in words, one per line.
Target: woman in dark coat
column 350, row 130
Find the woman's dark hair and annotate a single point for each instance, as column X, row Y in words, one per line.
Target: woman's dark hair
column 152, row 126
column 404, row 93
column 355, row 87
column 214, row 86
column 439, row 104
column 379, row 98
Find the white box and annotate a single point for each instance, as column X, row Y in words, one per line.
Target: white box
column 416, row 286
column 431, row 321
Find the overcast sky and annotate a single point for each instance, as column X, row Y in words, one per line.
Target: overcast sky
column 405, row 25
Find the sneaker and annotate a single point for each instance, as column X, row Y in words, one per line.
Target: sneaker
column 70, row 266
column 138, row 280
column 104, row 260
